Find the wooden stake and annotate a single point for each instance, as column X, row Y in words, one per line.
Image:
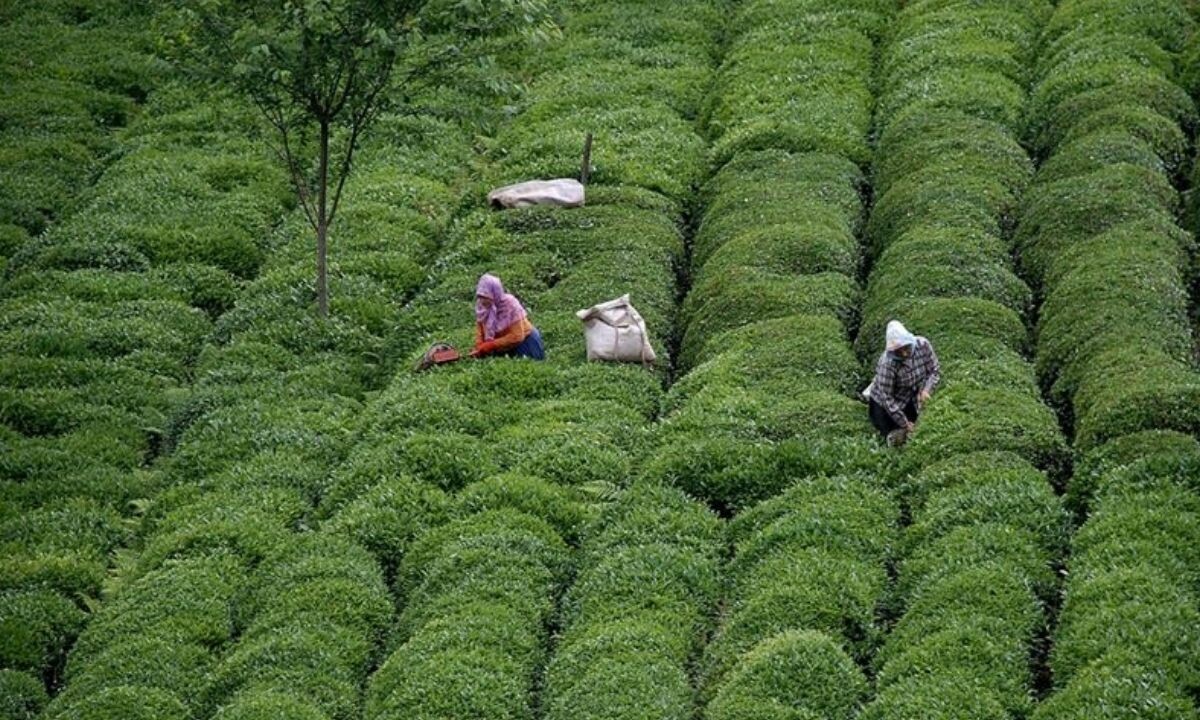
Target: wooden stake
column 585, row 168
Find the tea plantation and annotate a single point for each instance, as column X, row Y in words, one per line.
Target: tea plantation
column 216, row 505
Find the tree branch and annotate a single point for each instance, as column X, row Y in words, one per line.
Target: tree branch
column 360, row 120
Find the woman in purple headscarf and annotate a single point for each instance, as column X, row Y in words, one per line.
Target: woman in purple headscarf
column 502, row 326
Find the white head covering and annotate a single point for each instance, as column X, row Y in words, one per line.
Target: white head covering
column 898, row 336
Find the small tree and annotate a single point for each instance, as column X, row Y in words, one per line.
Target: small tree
column 320, row 71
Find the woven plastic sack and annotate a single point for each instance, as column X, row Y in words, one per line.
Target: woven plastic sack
column 616, row 332
column 565, row 192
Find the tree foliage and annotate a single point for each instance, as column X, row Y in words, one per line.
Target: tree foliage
column 321, row 71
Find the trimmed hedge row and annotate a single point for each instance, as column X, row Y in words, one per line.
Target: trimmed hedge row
column 1111, row 116
column 978, row 557
column 1100, row 235
column 311, row 621
column 766, row 402
column 1127, row 639
column 808, row 573
column 71, row 75
column 637, row 613
column 949, row 178
column 770, row 372
column 478, row 598
column 272, row 413
column 149, row 650
column 523, row 443
column 560, row 421
column 103, row 313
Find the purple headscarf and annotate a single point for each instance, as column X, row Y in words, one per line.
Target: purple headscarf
column 505, row 310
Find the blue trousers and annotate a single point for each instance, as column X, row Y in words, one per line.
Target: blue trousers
column 531, row 347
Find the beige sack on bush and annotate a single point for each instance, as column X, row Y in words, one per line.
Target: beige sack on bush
column 616, row 332
column 565, row 192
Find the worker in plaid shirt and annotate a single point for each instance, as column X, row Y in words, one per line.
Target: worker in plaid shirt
column 905, row 376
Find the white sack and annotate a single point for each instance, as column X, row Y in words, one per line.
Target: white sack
column 566, row 192
column 616, row 332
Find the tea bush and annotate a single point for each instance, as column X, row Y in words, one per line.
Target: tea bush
column 263, row 704
column 1114, row 687
column 23, row 695
column 1111, row 110
column 138, row 702
column 775, row 258
column 185, row 602
column 796, row 671
column 1129, row 608
column 479, row 592
column 622, row 644
column 977, row 476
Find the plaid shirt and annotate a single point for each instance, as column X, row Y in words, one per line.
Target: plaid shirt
column 897, row 379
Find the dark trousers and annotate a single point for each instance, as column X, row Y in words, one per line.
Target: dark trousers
column 531, row 347
column 882, row 419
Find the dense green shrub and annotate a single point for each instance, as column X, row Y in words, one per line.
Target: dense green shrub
column 1158, row 393
column 252, row 523
column 476, row 662
column 1024, row 501
column 176, row 668
column 185, row 602
column 800, row 588
column 1094, row 469
column 1063, row 213
column 132, row 702
column 960, row 469
column 943, row 138
column 746, row 295
column 314, row 429
column 644, row 578
column 755, row 110
column 1144, row 306
column 322, row 664
column 502, row 530
column 37, row 627
column 970, row 546
column 563, row 508
column 798, row 670
column 388, row 517
column 1118, row 687
column 735, row 472
column 1135, row 609
column 992, row 597
column 478, row 571
column 317, row 578
column 1153, row 528
column 648, row 512
column 846, row 518
column 639, row 610
column 968, row 654
column 964, row 420
column 750, row 355
column 610, row 670
column 1167, row 23
column 78, row 524
column 946, row 696
column 267, row 704
column 22, row 696
column 928, row 262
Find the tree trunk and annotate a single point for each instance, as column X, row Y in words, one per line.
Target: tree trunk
column 323, row 225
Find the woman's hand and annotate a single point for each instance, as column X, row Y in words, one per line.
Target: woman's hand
column 483, row 348
column 922, row 398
